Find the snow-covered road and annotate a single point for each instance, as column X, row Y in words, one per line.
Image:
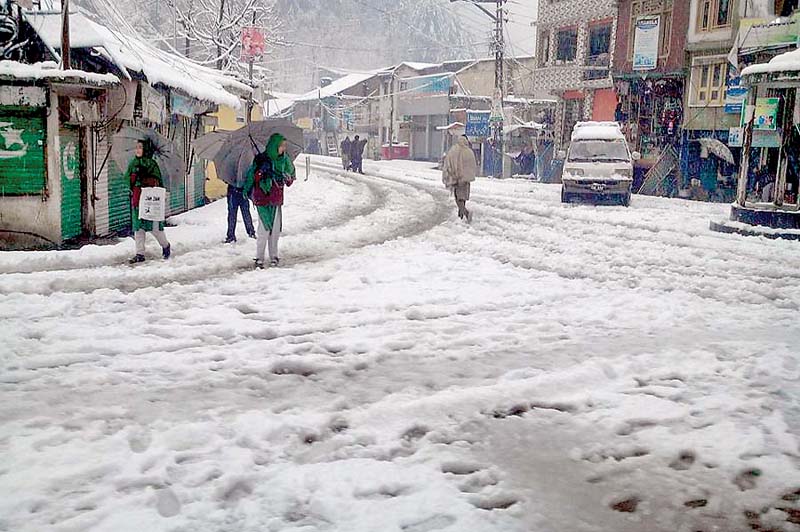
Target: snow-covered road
column 549, row 368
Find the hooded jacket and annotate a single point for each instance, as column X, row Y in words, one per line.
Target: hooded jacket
column 268, row 174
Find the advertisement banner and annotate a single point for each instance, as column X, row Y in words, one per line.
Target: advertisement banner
column 766, row 114
column 254, row 44
column 645, row 44
column 477, row 124
column 735, row 94
column 766, row 139
column 736, row 137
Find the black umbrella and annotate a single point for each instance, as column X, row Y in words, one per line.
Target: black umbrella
column 165, row 153
column 233, row 151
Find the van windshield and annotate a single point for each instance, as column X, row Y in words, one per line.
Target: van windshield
column 586, row 151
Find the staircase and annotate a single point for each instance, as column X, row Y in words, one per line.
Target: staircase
column 662, row 173
column 333, row 146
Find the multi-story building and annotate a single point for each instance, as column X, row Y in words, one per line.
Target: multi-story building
column 650, row 83
column 576, row 48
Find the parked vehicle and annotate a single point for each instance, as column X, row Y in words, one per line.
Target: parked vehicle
column 598, row 165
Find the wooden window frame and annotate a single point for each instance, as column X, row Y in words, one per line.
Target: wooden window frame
column 705, row 92
column 713, row 7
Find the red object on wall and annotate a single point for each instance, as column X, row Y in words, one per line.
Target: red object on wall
column 573, row 95
column 605, row 105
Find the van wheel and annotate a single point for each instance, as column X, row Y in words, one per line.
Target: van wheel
column 625, row 200
column 565, row 198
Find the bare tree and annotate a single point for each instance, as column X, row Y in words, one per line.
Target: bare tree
column 211, row 29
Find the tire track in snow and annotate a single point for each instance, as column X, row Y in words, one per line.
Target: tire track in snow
column 390, row 198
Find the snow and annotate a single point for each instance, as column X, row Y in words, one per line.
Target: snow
column 785, row 62
column 597, row 131
column 340, row 85
column 50, row 71
column 279, row 103
column 134, row 55
column 404, row 371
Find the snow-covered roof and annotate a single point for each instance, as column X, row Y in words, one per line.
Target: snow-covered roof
column 420, row 66
column 785, row 62
column 279, row 103
column 50, row 71
column 134, row 55
column 340, row 85
column 597, row 131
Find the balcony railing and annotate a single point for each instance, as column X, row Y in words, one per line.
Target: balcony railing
column 597, row 67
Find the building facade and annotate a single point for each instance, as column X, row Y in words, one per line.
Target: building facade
column 575, row 53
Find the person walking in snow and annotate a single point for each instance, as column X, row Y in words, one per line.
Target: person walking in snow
column 458, row 172
column 344, row 149
column 357, row 154
column 143, row 172
column 238, row 201
column 271, row 171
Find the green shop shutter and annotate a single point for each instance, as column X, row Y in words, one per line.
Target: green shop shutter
column 119, row 198
column 22, row 141
column 70, row 182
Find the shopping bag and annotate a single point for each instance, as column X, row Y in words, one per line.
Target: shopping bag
column 153, row 204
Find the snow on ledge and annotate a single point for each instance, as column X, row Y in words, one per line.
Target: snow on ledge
column 785, row 62
column 50, row 71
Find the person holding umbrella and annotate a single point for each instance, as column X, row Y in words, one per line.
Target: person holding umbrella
column 266, row 178
column 143, row 172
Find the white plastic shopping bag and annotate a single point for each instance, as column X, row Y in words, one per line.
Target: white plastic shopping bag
column 153, row 204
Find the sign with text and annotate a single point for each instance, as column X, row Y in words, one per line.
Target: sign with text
column 645, row 44
column 153, row 204
column 736, row 137
column 477, row 124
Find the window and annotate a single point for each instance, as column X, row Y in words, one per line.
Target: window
column 567, row 42
column 599, row 44
column 713, row 14
column 544, row 48
column 708, row 83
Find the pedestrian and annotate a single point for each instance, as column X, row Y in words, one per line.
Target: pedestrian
column 345, row 148
column 143, row 172
column 460, row 169
column 238, row 201
column 357, row 154
column 266, row 178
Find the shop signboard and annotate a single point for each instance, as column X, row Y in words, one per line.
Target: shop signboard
column 736, row 137
column 477, row 124
column 735, row 94
column 766, row 139
column 645, row 44
column 766, row 114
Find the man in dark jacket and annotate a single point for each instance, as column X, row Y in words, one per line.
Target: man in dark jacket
column 345, row 148
column 357, row 154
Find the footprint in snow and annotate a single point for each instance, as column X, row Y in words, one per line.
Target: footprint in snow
column 167, row 503
column 437, row 522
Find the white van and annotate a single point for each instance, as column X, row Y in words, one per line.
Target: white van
column 598, row 164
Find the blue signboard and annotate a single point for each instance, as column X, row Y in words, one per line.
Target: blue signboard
column 735, row 94
column 478, row 124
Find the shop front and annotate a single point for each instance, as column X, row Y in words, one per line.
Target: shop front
column 769, row 176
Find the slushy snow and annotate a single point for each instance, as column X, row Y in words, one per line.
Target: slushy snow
column 548, row 368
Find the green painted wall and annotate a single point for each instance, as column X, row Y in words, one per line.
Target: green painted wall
column 119, row 199
column 199, row 185
column 70, row 182
column 22, row 141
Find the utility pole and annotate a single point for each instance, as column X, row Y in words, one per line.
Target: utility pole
column 66, row 59
column 499, row 85
column 499, row 47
